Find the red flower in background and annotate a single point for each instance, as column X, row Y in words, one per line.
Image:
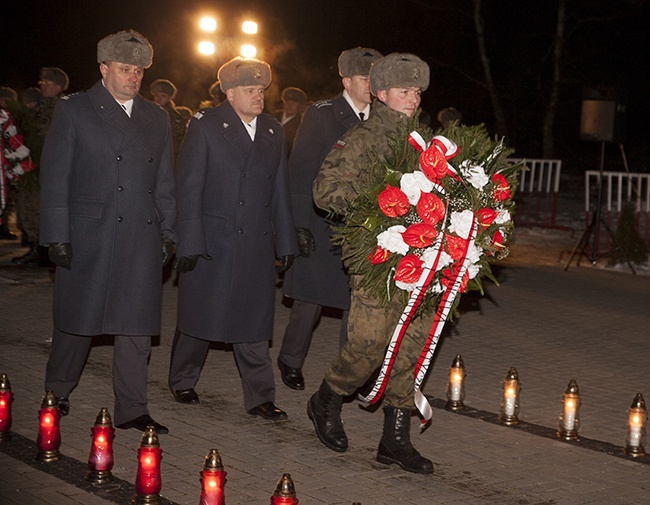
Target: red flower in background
column 486, row 216
column 419, row 235
column 393, row 201
column 448, row 276
column 455, row 246
column 501, row 189
column 380, row 255
column 409, row 269
column 430, row 208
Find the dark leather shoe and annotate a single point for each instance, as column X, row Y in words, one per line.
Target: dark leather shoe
column 141, row 423
column 187, row 396
column 269, row 411
column 64, row 406
column 292, row 377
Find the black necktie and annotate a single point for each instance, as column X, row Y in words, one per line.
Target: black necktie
column 361, row 114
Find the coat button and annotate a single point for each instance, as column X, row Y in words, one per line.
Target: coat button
column 119, row 157
column 240, row 231
column 120, row 188
column 149, row 221
column 150, row 160
column 150, row 191
column 119, row 219
column 241, row 202
column 266, row 204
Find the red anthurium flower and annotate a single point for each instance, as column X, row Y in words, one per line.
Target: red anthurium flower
column 486, row 216
column 393, row 201
column 455, row 246
column 501, row 190
column 430, row 208
column 419, row 235
column 498, row 239
column 448, row 276
column 433, row 163
column 379, row 256
column 409, row 269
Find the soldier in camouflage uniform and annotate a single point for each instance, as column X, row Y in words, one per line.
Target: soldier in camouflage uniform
column 397, row 81
column 35, row 124
column 163, row 93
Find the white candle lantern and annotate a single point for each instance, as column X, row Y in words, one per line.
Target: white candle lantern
column 569, row 419
column 456, row 385
column 637, row 417
column 510, row 400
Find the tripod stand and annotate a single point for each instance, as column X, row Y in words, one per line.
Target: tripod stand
column 594, row 226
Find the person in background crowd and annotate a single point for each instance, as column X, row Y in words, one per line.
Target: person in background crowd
column 108, row 211
column 234, row 220
column 36, row 123
column 294, row 101
column 318, row 277
column 448, row 116
column 163, row 92
column 397, row 80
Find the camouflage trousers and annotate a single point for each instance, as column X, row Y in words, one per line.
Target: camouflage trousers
column 370, row 328
column 28, row 211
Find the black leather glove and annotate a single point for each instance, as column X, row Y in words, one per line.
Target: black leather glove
column 167, row 249
column 283, row 263
column 306, row 242
column 60, row 254
column 188, row 263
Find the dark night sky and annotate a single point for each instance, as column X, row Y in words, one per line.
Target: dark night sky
column 302, row 39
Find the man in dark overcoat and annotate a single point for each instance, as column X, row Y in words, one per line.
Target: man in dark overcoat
column 317, row 277
column 234, row 219
column 108, row 209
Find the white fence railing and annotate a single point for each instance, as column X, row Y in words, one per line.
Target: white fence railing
column 538, row 191
column 618, row 188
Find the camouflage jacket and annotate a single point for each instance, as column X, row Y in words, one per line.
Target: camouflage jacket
column 177, row 124
column 347, row 162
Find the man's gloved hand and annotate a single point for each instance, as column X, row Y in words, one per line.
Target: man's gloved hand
column 167, row 249
column 283, row 263
column 306, row 242
column 60, row 254
column 188, row 263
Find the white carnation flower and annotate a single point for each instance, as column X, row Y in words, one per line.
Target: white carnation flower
column 19, row 154
column 414, row 183
column 461, row 223
column 405, row 286
column 503, row 216
column 392, row 240
column 474, row 174
column 11, row 130
column 473, row 270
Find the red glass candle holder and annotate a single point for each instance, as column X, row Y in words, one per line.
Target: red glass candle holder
column 100, row 460
column 49, row 435
column 6, row 399
column 148, row 480
column 285, row 492
column 213, row 478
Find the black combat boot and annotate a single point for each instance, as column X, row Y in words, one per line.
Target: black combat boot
column 395, row 445
column 324, row 409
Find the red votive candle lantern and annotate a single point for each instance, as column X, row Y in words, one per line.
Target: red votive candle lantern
column 285, row 492
column 100, row 461
column 6, row 399
column 49, row 435
column 213, row 478
column 148, row 480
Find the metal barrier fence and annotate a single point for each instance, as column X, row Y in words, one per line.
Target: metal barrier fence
column 537, row 193
column 618, row 188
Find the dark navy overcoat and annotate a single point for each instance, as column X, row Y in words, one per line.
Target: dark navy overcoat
column 233, row 205
column 321, row 278
column 107, row 188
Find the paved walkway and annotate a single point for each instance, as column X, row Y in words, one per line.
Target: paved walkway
column 553, row 325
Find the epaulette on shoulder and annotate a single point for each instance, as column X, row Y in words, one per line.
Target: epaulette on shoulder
column 72, row 95
column 323, row 103
column 199, row 114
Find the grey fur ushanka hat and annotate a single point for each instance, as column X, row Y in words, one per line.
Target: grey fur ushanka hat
column 127, row 46
column 357, row 61
column 244, row 72
column 399, row 70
